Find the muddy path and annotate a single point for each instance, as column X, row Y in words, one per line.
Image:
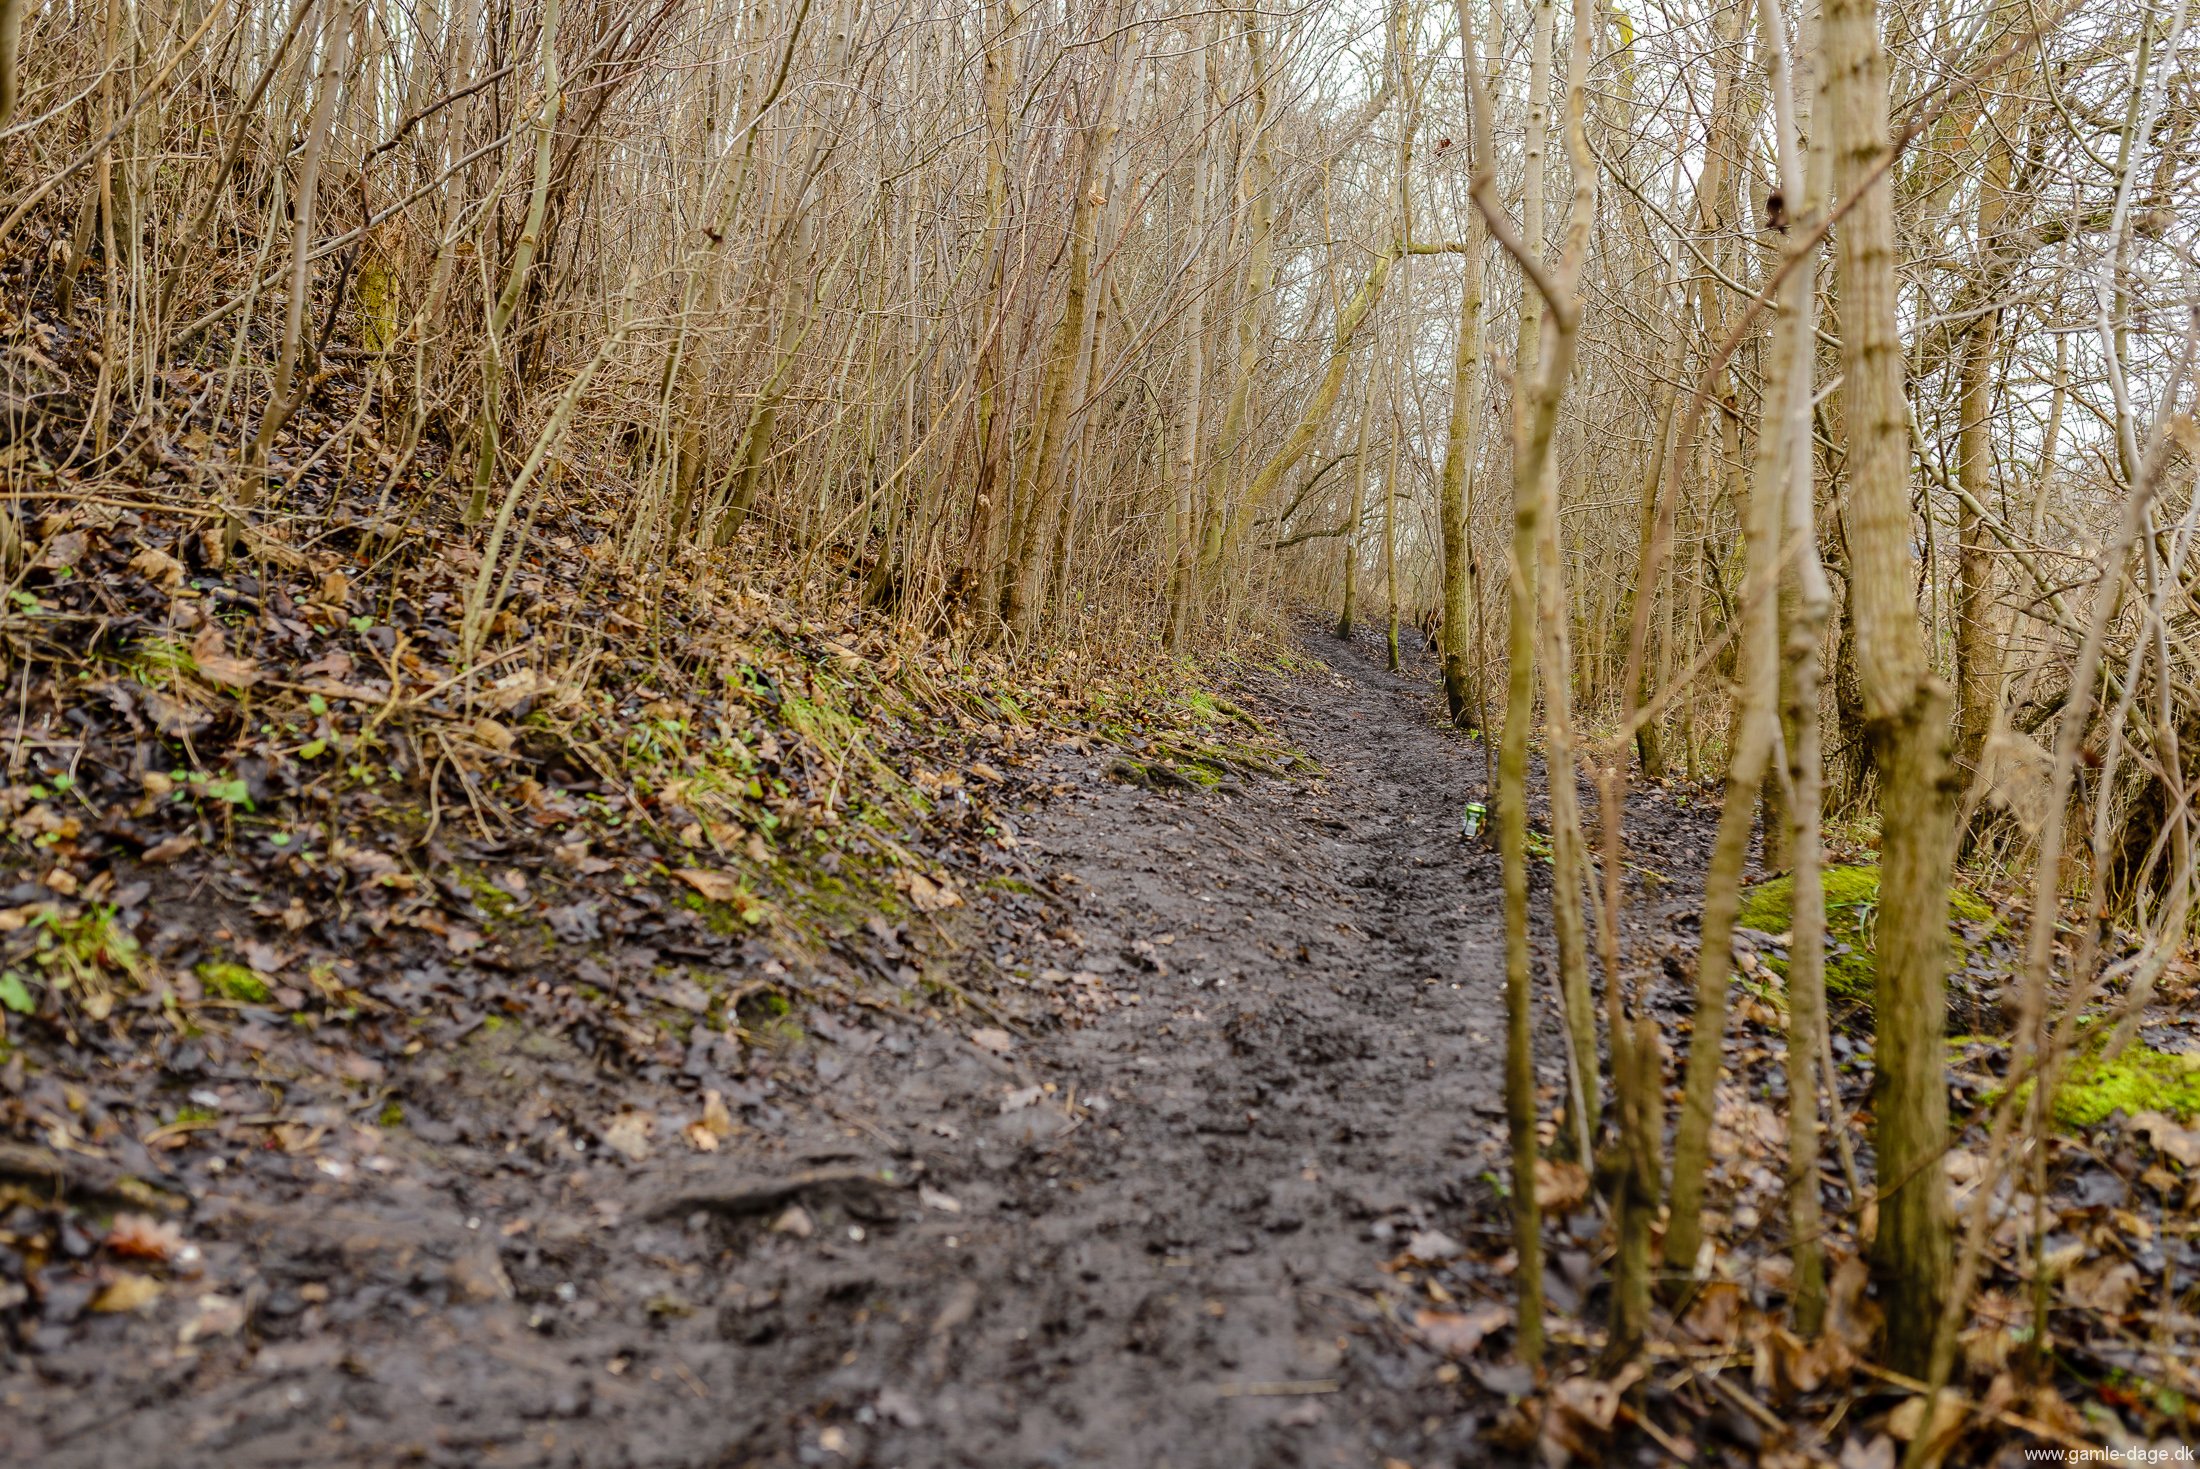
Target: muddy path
column 1155, row 1237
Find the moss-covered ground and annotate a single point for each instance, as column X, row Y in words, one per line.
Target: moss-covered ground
column 1852, row 912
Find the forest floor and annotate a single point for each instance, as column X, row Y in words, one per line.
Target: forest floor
column 1175, row 1221
column 1035, row 1067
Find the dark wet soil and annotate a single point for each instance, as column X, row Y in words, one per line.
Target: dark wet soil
column 1155, row 1237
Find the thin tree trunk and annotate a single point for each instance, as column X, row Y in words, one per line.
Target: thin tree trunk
column 1535, row 418
column 1260, row 271
column 515, row 280
column 1185, row 557
column 1978, row 650
column 1462, row 450
column 1040, row 484
column 1358, row 508
column 283, row 398
column 1803, row 608
column 1905, row 707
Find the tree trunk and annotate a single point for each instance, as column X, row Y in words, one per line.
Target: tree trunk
column 1905, row 707
column 1040, row 484
column 1978, row 650
column 1260, row 273
column 1462, row 448
column 1358, row 509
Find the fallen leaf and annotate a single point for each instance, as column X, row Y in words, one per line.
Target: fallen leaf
column 718, row 887
column 63, row 550
column 930, row 896
column 128, row 1291
column 216, row 1316
column 1457, row 1333
column 1716, row 1315
column 514, row 689
column 496, row 736
column 1560, row 1186
column 1433, row 1246
column 2102, row 1285
column 172, row 716
column 215, row 663
column 628, row 1135
column 716, row 1118
column 1907, row 1421
column 2169, row 1138
column 140, row 1237
column 993, row 1039
column 159, row 568
column 1580, row 1413
column 1877, row 1453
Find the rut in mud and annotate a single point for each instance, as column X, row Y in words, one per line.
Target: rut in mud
column 1155, row 1238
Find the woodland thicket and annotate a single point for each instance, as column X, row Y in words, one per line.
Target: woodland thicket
column 1785, row 393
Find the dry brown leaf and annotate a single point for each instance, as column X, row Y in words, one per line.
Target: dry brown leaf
column 496, row 736
column 128, row 1291
column 1433, row 1246
column 1716, row 1315
column 2105, row 1284
column 141, row 1237
column 514, row 689
column 930, row 896
column 628, row 1135
column 1876, row 1453
column 716, row 1118
column 1950, row 1414
column 1560, row 1186
column 173, row 716
column 718, row 887
column 993, row 1039
column 2170, row 1138
column 1580, row 1415
column 170, row 849
column 63, row 550
column 216, row 1315
column 1458, row 1333
column 159, row 568
column 215, row 663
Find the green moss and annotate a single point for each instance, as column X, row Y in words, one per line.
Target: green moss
column 492, row 900
column 2140, row 1080
column 1852, row 913
column 233, row 982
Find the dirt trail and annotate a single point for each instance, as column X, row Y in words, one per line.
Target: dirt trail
column 1153, row 1239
